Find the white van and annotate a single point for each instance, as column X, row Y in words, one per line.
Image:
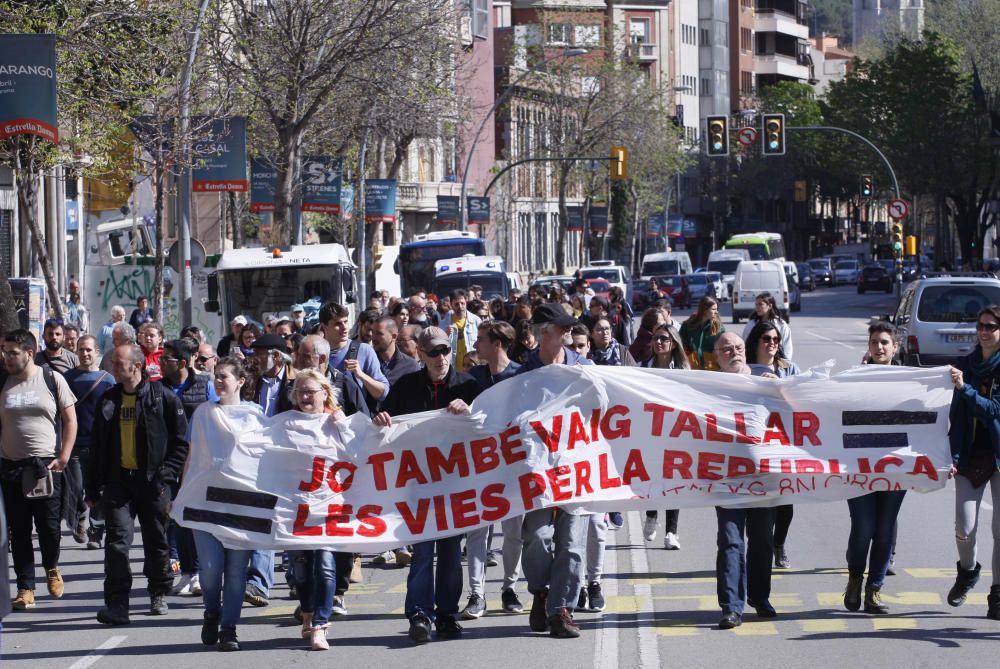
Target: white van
column 725, row 262
column 669, row 262
column 607, row 270
column 488, row 272
column 754, row 277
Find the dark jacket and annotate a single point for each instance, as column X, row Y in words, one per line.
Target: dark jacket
column 481, row 373
column 284, row 391
column 5, row 598
column 351, row 396
column 399, row 365
column 968, row 404
column 161, row 443
column 415, row 392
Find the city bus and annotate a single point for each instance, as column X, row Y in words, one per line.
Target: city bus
column 760, row 245
column 415, row 264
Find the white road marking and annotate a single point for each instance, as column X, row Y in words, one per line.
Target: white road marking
column 96, row 654
column 649, row 650
column 606, row 645
column 986, row 505
column 838, row 343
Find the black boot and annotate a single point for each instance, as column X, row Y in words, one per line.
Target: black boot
column 873, row 600
column 227, row 640
column 210, row 629
column 965, row 580
column 993, row 603
column 852, row 594
column 538, row 619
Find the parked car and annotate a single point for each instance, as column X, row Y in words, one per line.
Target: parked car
column 701, row 284
column 822, row 269
column 794, row 292
column 846, row 271
column 807, row 278
column 600, row 287
column 676, row 288
column 874, row 277
column 546, row 282
column 936, row 317
column 607, row 270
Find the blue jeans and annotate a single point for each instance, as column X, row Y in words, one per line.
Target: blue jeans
column 261, row 570
column 555, row 545
column 223, row 575
column 743, row 568
column 873, row 519
column 435, row 593
column 315, row 575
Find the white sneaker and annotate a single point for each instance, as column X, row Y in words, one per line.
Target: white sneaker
column 670, row 542
column 385, row 557
column 649, row 528
column 339, row 609
column 183, row 586
column 195, row 586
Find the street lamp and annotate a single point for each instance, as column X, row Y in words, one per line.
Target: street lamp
column 569, row 53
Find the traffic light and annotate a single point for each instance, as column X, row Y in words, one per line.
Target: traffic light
column 376, row 256
column 774, row 134
column 896, row 239
column 867, row 185
column 911, row 245
column 717, row 143
column 619, row 163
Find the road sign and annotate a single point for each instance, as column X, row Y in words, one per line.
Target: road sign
column 898, row 209
column 747, row 136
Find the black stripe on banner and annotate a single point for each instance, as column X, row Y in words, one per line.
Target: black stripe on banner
column 885, row 440
column 237, row 522
column 258, row 500
column 889, row 418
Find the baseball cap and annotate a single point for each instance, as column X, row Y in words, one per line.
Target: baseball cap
column 552, row 313
column 432, row 337
column 239, row 320
column 269, row 342
column 296, row 308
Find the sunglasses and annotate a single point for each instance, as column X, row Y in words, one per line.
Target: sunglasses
column 438, row 352
column 662, row 339
column 989, row 327
column 205, row 358
column 768, row 339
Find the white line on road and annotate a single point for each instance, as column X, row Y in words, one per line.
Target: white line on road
column 606, row 645
column 838, row 343
column 96, row 654
column 649, row 650
column 986, row 505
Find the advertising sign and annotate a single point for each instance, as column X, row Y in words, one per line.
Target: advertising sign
column 28, row 86
column 598, row 215
column 220, row 158
column 321, row 180
column 447, row 209
column 574, row 218
column 655, row 225
column 479, row 208
column 675, row 224
column 380, row 201
column 263, row 184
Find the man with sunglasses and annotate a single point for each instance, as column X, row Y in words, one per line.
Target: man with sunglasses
column 738, row 576
column 555, row 540
column 204, row 362
column 432, row 596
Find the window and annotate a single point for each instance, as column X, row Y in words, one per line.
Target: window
column 705, row 39
column 639, row 31
column 480, row 18
column 706, row 85
column 746, row 82
column 689, row 35
column 587, row 35
column 746, row 40
column 560, row 33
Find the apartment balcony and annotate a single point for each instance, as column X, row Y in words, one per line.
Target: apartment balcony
column 777, row 21
column 780, row 65
column 643, row 52
column 421, row 196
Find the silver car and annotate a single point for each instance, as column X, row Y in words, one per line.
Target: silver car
column 936, row 318
column 701, row 284
column 846, row 271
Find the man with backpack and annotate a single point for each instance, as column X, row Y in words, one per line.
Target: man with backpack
column 37, row 433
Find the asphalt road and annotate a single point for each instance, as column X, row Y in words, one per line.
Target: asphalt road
column 662, row 608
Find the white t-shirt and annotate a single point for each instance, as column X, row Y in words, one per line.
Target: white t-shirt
column 28, row 416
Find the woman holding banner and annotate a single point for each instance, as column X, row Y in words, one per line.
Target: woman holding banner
column 315, row 571
column 221, row 571
column 668, row 353
column 700, row 332
column 767, row 357
column 975, row 452
column 873, row 516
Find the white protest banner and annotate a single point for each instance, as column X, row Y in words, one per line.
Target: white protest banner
column 606, row 438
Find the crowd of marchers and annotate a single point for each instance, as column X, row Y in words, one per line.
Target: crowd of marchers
column 95, row 432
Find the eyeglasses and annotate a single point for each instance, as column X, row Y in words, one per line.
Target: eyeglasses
column 769, row 339
column 438, row 352
column 205, row 358
column 989, row 327
column 12, row 354
column 662, row 339
column 602, row 329
column 309, row 392
column 167, row 358
column 730, row 350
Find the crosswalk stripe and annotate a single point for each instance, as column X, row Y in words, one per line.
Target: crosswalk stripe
column 675, row 628
column 681, row 580
column 824, row 625
column 705, row 602
column 937, row 572
column 883, row 624
column 623, row 604
column 756, row 628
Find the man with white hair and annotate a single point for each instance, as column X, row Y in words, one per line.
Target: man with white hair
column 104, row 342
column 121, row 334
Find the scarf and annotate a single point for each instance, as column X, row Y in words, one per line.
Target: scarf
column 982, row 369
column 608, row 356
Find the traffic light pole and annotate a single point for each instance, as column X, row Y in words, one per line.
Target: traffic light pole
column 514, row 164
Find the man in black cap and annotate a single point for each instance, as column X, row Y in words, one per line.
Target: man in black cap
column 555, row 539
column 274, row 365
column 429, row 595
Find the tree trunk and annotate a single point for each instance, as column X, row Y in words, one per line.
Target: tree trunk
column 157, row 296
column 289, row 150
column 236, row 220
column 563, row 220
column 27, row 197
column 8, row 310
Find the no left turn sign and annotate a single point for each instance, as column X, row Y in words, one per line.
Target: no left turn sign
column 898, row 209
column 747, row 136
